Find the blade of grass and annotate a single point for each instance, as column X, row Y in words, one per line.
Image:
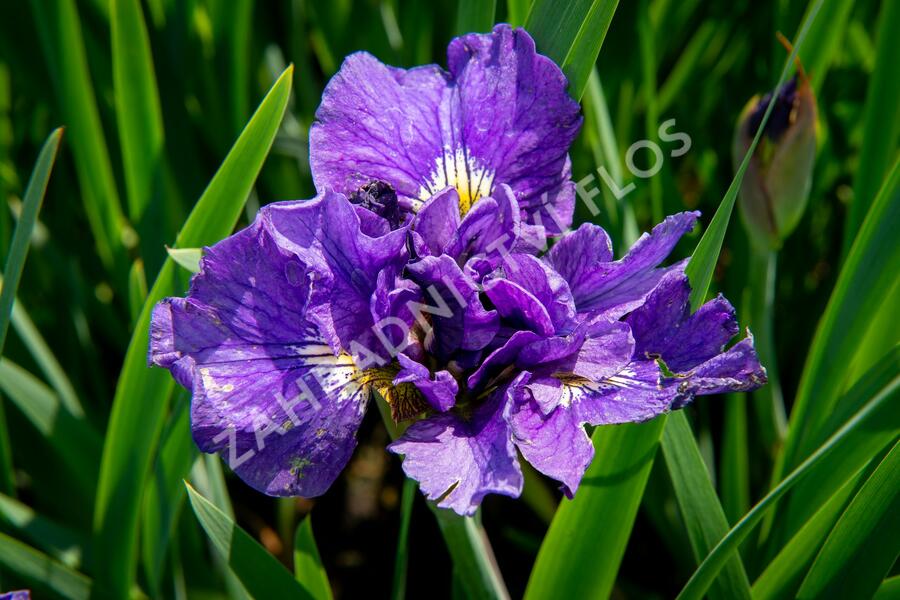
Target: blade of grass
column 188, row 258
column 473, row 559
column 165, row 492
column 59, row 27
column 881, row 125
column 74, row 440
column 137, row 289
column 734, row 470
column 867, row 275
column 864, row 543
column 475, row 16
column 825, row 38
column 783, row 576
column 142, row 394
column 407, row 500
column 60, row 542
column 138, row 109
column 308, row 568
column 571, row 34
column 517, row 11
column 259, row 572
column 880, row 408
column 889, row 589
column 18, row 251
column 701, row 512
column 43, row 571
column 581, row 552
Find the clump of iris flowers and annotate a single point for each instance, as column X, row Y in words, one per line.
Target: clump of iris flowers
column 421, row 272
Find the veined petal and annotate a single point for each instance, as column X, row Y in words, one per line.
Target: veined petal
column 501, row 115
column 618, row 287
column 268, row 392
column 457, row 462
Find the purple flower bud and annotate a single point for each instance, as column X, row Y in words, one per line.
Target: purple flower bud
column 776, row 185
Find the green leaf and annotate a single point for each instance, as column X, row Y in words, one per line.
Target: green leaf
column 18, row 251
column 407, row 500
column 137, row 289
column 881, row 127
column 138, row 112
column 880, row 411
column 60, row 542
column 700, row 509
column 473, row 559
column 825, row 39
column 864, row 543
column 785, row 573
column 43, row 571
column 259, row 572
column 581, row 552
column 889, row 589
column 165, row 491
column 142, row 394
column 571, row 34
column 867, row 276
column 308, row 567
column 475, row 16
column 59, row 26
column 75, row 442
column 189, row 258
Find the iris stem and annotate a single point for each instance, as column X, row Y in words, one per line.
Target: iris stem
column 467, row 542
column 760, row 299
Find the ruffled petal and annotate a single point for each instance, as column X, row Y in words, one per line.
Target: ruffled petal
column 439, row 391
column 458, row 462
column 267, row 390
column 616, row 288
column 501, row 115
column 555, row 444
column 536, row 277
column 438, row 221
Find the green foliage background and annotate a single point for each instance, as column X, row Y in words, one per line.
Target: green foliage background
column 182, row 117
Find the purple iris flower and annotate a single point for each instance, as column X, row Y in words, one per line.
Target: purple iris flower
column 420, row 273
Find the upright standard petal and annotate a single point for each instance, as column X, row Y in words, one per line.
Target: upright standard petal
column 500, row 115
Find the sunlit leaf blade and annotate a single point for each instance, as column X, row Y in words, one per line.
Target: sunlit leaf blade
column 864, row 543
column 18, row 251
column 308, row 567
column 475, row 16
column 60, row 542
column 571, row 34
column 59, row 26
column 701, row 512
column 881, row 128
column 188, row 258
column 880, row 411
column 142, row 393
column 259, row 572
column 42, row 571
column 76, row 444
column 137, row 289
column 783, row 576
column 581, row 552
column 889, row 589
column 867, row 275
column 137, row 105
column 165, row 491
column 824, row 39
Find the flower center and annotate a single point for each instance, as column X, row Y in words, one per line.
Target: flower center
column 455, row 169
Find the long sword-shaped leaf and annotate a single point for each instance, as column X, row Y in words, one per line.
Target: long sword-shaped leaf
column 142, row 394
column 475, row 15
column 880, row 408
column 59, row 26
column 259, row 572
column 61, row 543
column 581, row 552
column 703, row 516
column 881, row 127
column 864, row 543
column 308, row 567
column 18, row 251
column 137, row 105
column 41, row 570
column 571, row 33
column 867, row 276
